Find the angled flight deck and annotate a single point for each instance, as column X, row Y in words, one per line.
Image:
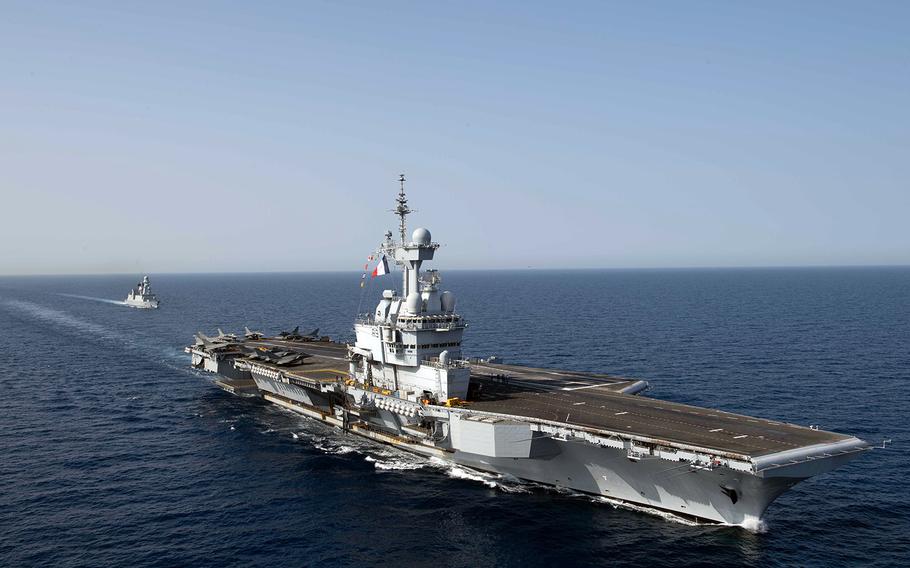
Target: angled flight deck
column 591, row 400
column 599, row 403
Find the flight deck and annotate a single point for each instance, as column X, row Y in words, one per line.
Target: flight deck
column 591, row 400
column 607, row 408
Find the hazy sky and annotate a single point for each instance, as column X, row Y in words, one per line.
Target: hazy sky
column 195, row 136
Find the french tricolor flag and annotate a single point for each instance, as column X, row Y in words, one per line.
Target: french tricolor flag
column 382, row 268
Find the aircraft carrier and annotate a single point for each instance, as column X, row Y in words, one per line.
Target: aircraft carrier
column 405, row 382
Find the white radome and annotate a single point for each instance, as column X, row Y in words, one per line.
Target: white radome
column 421, row 236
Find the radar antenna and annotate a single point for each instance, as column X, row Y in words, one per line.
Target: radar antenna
column 402, row 210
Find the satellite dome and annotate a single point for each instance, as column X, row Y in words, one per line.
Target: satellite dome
column 421, row 236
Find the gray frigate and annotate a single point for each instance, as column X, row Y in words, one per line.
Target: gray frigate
column 142, row 296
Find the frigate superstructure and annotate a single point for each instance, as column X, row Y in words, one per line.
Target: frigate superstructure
column 142, row 296
column 405, row 381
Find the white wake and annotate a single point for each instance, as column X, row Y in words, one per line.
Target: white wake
column 94, row 299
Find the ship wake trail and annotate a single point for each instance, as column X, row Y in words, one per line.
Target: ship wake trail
column 94, row 299
column 63, row 320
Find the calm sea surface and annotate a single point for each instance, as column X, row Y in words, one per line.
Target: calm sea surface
column 114, row 453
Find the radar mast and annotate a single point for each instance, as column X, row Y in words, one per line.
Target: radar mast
column 402, row 211
column 409, row 253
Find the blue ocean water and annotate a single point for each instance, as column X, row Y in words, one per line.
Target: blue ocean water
column 115, row 453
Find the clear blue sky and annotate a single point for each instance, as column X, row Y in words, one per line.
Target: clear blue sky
column 196, row 136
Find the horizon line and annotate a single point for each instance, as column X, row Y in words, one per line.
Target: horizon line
column 514, row 269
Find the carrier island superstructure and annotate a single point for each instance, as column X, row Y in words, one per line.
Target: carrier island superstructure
column 406, row 382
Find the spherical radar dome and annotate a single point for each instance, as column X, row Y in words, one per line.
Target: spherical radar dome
column 421, row 236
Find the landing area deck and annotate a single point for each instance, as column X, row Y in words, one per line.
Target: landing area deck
column 549, row 379
column 604, row 407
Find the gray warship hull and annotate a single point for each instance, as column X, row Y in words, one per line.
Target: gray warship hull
column 141, row 304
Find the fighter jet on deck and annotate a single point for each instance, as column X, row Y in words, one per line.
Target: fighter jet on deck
column 289, row 334
column 252, row 334
column 276, row 356
column 214, row 343
column 295, row 335
column 226, row 336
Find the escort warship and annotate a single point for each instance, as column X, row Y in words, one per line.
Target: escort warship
column 405, row 382
column 141, row 296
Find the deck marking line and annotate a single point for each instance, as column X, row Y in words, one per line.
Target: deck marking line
column 584, row 387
